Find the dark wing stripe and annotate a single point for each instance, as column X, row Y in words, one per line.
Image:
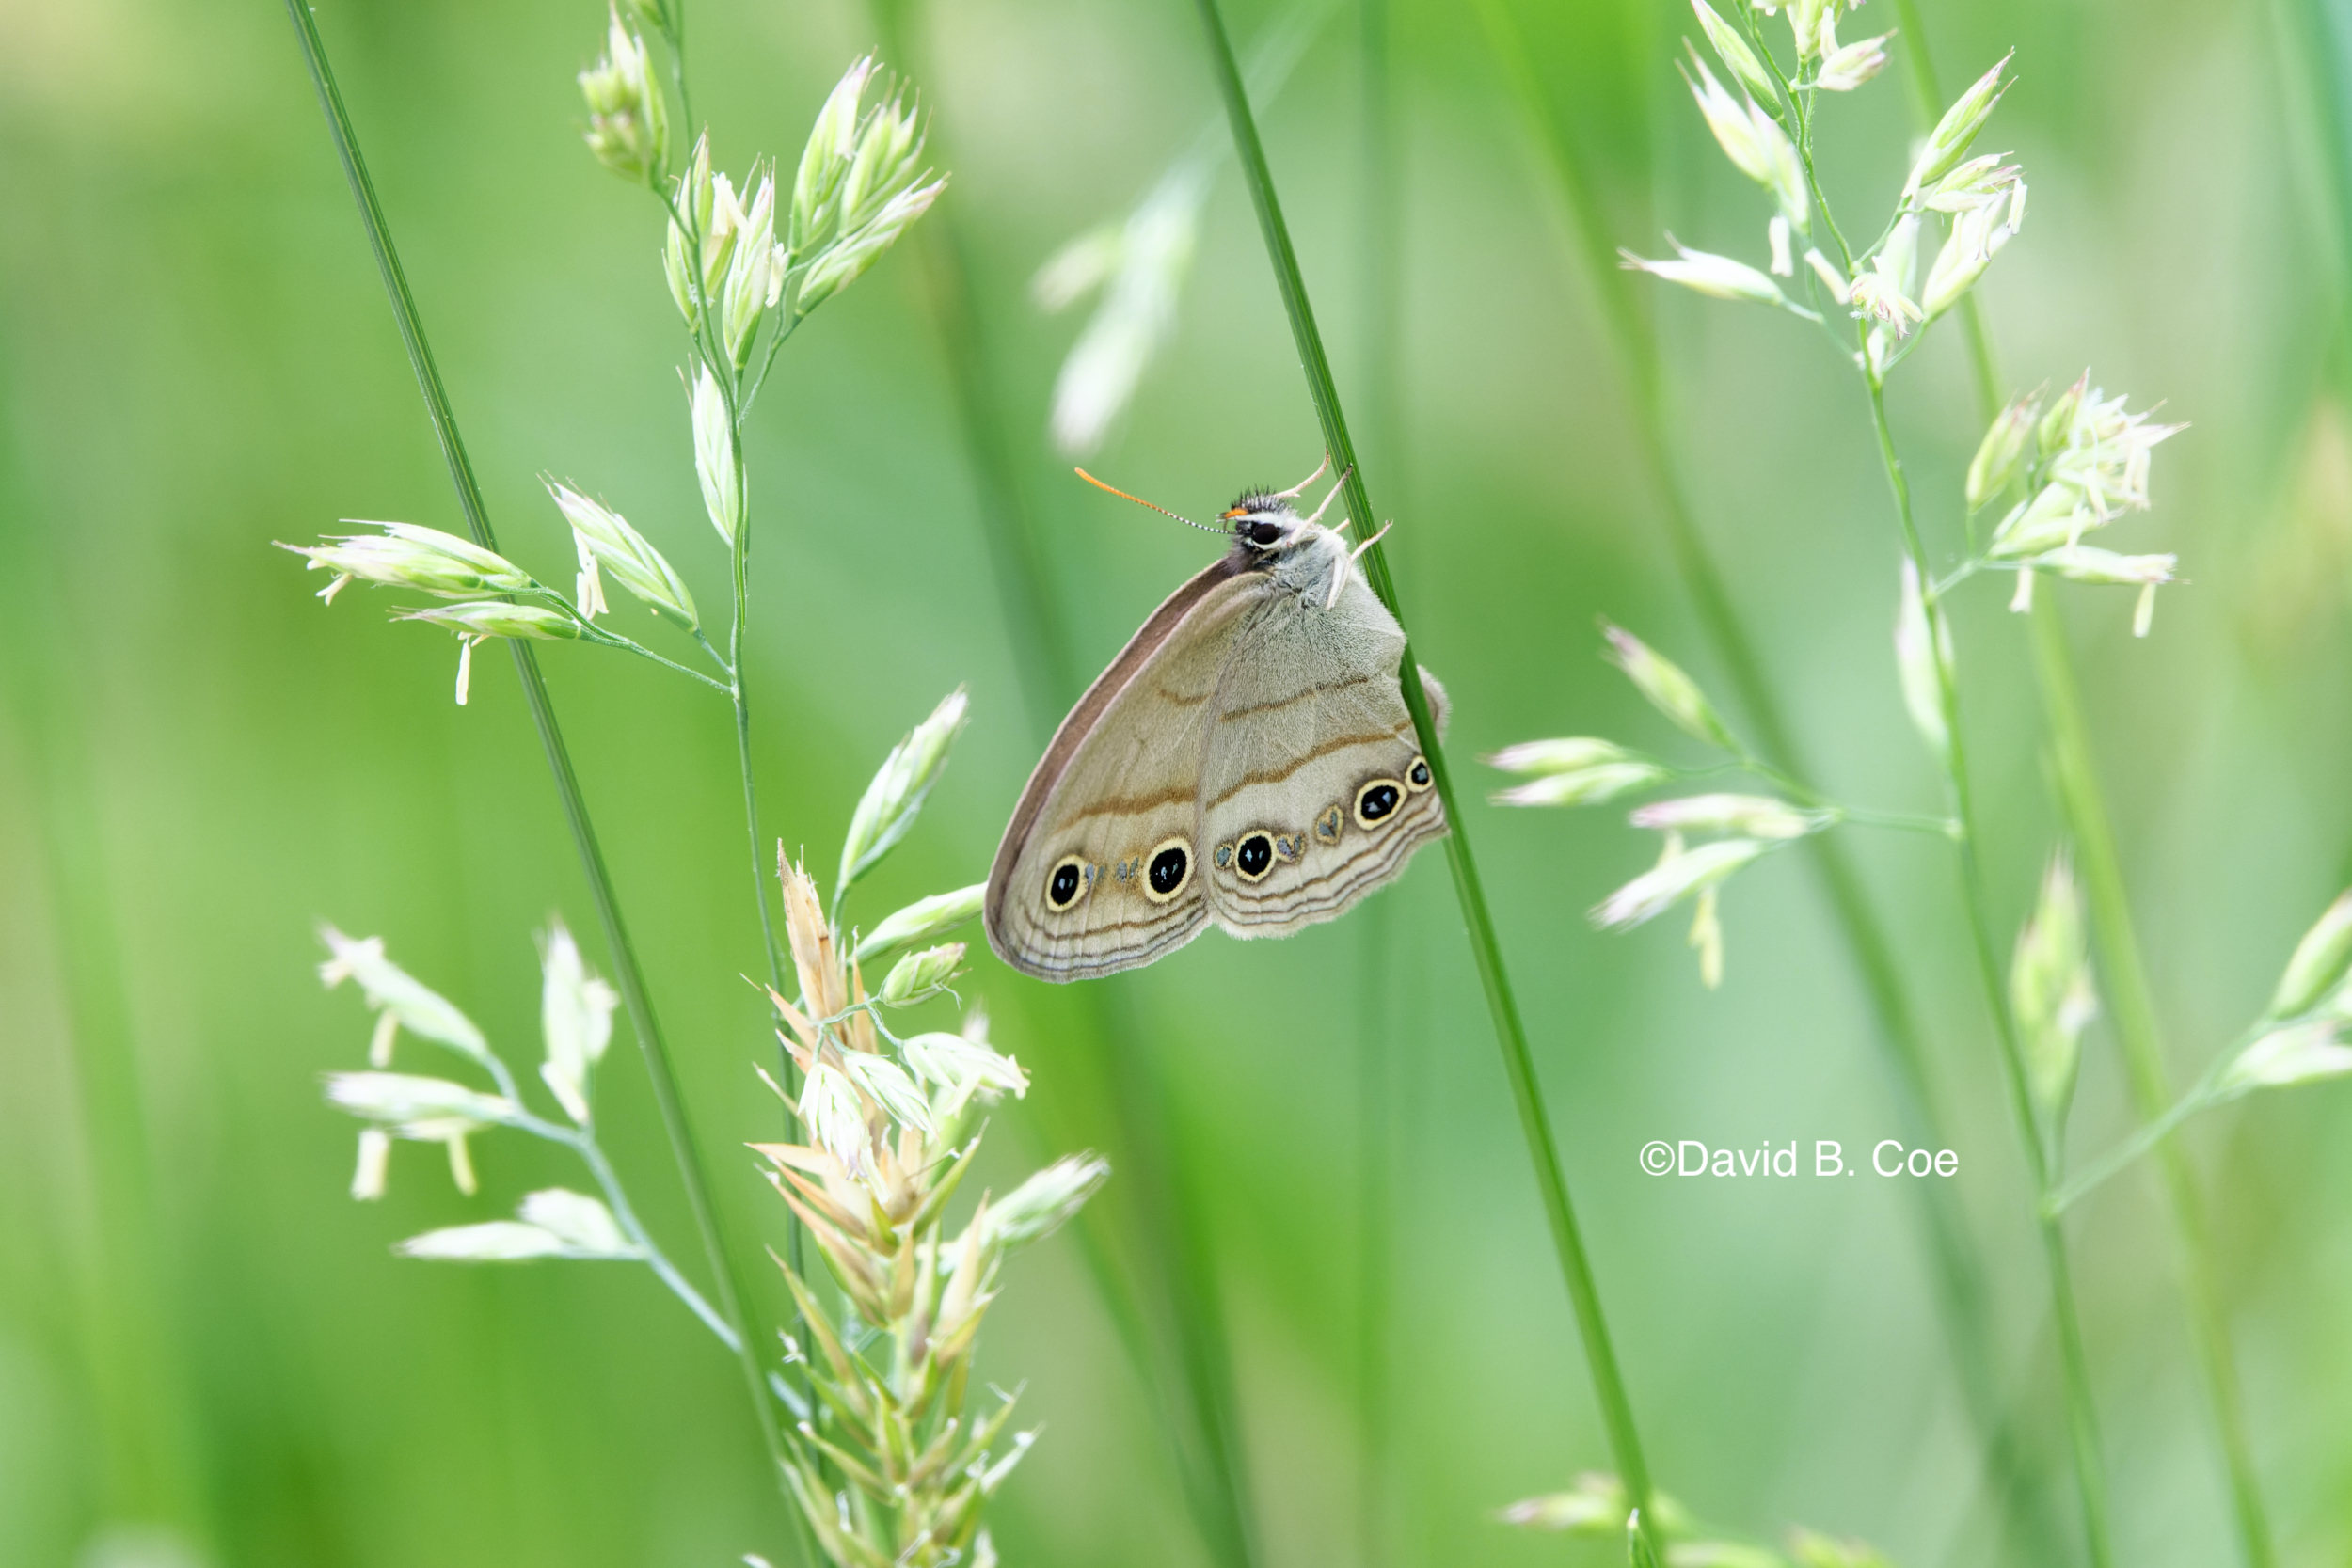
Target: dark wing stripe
column 1275, row 775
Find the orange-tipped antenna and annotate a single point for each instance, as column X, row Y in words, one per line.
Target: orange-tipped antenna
column 1140, row 502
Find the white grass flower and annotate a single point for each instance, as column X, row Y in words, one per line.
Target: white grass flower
column 606, row 538
column 921, row 976
column 1750, row 816
column 835, row 1117
column 715, row 463
column 1753, row 141
column 1681, row 874
column 2051, row 992
column 628, row 127
column 1669, row 689
column 1776, row 237
column 1922, row 660
column 2002, row 452
column 2088, row 563
column 1718, row 276
column 1569, row 756
column 1596, row 1505
column 408, row 555
column 1977, row 236
column 1846, row 69
column 2319, row 961
column 1734, row 52
column 920, row 920
column 960, row 1064
column 2300, row 1053
column 420, row 1010
column 575, row 1021
column 1584, row 786
column 1046, row 1201
column 890, row 1086
column 1949, row 142
column 895, row 796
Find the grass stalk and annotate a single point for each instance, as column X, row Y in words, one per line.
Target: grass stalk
column 1510, row 1033
column 1188, row 1354
column 625, row 968
column 1962, row 1295
column 1376, row 1154
column 2083, row 804
column 2082, row 1422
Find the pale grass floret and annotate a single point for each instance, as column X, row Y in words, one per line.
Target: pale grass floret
column 2318, row 963
column 1719, row 276
column 1734, row 52
column 2051, row 992
column 716, row 465
column 628, row 127
column 920, row 920
column 1679, row 873
column 576, row 1019
column 1750, row 816
column 1922, row 659
column 1754, row 142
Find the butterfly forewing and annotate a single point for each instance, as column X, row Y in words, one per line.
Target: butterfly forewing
column 1100, row 868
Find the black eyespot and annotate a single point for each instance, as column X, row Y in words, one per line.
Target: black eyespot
column 1265, row 535
column 1066, row 881
column 1168, row 871
column 1253, row 857
column 1377, row 801
column 1417, row 776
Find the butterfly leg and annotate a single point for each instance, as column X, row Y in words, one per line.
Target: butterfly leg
column 1337, row 486
column 1309, row 480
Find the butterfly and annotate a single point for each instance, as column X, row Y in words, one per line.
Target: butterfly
column 1246, row 759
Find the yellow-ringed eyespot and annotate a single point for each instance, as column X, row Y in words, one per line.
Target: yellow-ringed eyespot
column 1377, row 801
column 1328, row 825
column 1417, row 776
column 1253, row 856
column 1288, row 846
column 1169, row 868
column 1068, row 881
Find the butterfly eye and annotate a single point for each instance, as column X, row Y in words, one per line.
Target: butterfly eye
column 1417, row 775
column 1066, row 883
column 1171, row 869
column 1265, row 535
column 1377, row 801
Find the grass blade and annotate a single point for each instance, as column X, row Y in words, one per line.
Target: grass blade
column 1510, row 1033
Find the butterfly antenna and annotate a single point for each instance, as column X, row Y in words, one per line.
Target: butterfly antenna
column 1336, row 488
column 1140, row 502
column 1302, row 485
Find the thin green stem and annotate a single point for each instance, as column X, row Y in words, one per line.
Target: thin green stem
column 1510, row 1034
column 625, row 968
column 1376, row 1137
column 1961, row 1291
column 2082, row 1424
column 2133, row 1001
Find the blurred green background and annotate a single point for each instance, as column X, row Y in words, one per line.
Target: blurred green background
column 201, row 1337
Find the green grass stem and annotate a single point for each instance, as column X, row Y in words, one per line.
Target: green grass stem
column 2082, row 1421
column 1510, row 1033
column 2132, row 1007
column 1376, row 1154
column 626, row 971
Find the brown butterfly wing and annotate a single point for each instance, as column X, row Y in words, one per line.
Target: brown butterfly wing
column 1117, row 792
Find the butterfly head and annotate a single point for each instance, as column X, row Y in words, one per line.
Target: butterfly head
column 1266, row 522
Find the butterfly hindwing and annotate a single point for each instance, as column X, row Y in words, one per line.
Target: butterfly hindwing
column 1313, row 791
